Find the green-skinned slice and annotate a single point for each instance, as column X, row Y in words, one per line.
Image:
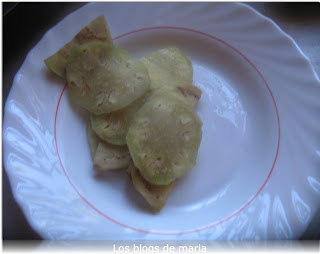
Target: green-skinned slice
column 163, row 139
column 113, row 127
column 93, row 140
column 103, row 78
column 168, row 67
column 96, row 30
column 155, row 195
column 111, row 157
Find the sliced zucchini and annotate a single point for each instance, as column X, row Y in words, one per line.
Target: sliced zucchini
column 97, row 30
column 111, row 157
column 163, row 139
column 155, row 195
column 103, row 78
column 168, row 67
column 189, row 93
column 93, row 140
column 113, row 127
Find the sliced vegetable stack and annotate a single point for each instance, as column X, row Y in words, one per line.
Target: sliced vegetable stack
column 142, row 111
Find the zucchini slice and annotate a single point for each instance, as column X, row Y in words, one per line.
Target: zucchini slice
column 168, row 67
column 189, row 93
column 103, row 78
column 111, row 157
column 113, row 127
column 163, row 139
column 155, row 195
column 93, row 140
column 96, row 30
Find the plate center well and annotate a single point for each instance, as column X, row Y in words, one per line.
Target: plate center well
column 236, row 155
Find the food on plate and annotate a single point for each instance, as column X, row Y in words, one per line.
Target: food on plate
column 141, row 111
column 103, row 78
column 93, row 140
column 168, row 67
column 155, row 195
column 113, row 127
column 188, row 94
column 163, row 139
column 111, row 157
column 106, row 156
column 97, row 30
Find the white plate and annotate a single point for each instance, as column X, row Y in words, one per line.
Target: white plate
column 257, row 173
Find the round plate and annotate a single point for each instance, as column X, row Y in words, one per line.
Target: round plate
column 256, row 175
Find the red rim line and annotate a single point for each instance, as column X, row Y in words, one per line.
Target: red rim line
column 211, row 225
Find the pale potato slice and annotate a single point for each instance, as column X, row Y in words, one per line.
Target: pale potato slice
column 163, row 139
column 103, row 78
column 97, row 30
column 155, row 195
column 111, row 157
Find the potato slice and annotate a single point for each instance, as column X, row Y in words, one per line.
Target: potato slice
column 103, row 78
column 163, row 139
column 111, row 157
column 168, row 67
column 97, row 30
column 155, row 195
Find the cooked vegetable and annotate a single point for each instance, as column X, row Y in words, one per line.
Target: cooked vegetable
column 97, row 30
column 163, row 139
column 187, row 94
column 168, row 67
column 111, row 157
column 141, row 112
column 103, row 78
column 113, row 127
column 93, row 140
column 190, row 93
column 155, row 195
